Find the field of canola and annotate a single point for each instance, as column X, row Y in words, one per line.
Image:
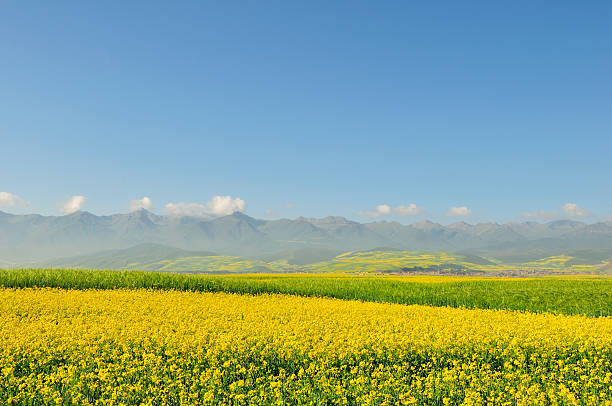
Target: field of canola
column 118, row 346
column 580, row 295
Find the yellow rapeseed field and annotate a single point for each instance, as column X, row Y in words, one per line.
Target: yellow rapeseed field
column 168, row 347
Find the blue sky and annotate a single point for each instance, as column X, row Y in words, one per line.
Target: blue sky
column 309, row 108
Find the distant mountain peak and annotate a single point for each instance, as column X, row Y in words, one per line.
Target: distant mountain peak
column 460, row 225
column 565, row 224
column 240, row 215
column 326, row 220
column 335, row 220
column 81, row 214
column 393, row 222
column 142, row 215
column 425, row 225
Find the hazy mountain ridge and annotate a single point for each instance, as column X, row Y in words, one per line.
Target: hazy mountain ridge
column 34, row 237
column 123, row 258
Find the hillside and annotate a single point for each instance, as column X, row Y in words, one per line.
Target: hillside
column 302, row 256
column 137, row 256
column 155, row 257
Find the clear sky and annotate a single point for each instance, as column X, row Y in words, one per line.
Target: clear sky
column 309, row 108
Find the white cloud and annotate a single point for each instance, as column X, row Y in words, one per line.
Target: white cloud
column 144, row 203
column 541, row 214
column 218, row 206
column 384, row 209
column 224, row 205
column 460, row 211
column 271, row 213
column 186, row 210
column 410, row 210
column 9, row 199
column 573, row 210
column 75, row 203
column 567, row 210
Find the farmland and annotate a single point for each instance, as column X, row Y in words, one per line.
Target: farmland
column 567, row 295
column 151, row 257
column 125, row 337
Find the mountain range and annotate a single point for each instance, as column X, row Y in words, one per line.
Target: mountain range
column 30, row 238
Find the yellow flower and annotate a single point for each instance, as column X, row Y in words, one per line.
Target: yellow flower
column 170, row 347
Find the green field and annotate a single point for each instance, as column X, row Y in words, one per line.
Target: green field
column 152, row 257
column 571, row 295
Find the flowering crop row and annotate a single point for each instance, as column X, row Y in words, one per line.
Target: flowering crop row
column 590, row 296
column 168, row 347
